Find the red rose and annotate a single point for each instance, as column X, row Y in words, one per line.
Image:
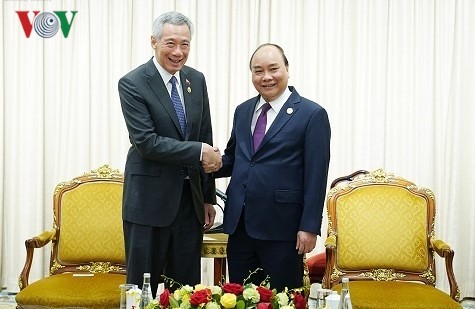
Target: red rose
column 165, row 298
column 264, row 306
column 265, row 294
column 299, row 301
column 200, row 297
column 233, row 288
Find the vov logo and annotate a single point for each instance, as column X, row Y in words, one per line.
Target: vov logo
column 46, row 24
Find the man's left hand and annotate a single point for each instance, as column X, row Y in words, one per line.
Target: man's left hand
column 305, row 242
column 210, row 214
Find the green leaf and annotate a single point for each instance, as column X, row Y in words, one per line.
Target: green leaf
column 240, row 304
column 173, row 302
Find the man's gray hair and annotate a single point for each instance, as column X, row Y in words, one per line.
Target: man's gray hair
column 173, row 18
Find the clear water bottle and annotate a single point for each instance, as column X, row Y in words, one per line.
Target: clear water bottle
column 146, row 296
column 321, row 300
column 345, row 301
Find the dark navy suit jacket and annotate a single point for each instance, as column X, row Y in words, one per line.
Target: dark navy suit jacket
column 282, row 185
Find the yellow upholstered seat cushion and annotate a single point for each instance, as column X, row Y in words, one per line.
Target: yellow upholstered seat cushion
column 66, row 290
column 397, row 295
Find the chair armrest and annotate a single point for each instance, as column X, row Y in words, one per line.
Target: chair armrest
column 441, row 247
column 38, row 241
column 330, row 253
column 444, row 251
column 306, row 277
column 330, row 242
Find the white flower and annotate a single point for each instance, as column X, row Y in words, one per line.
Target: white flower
column 188, row 288
column 282, row 298
column 177, row 294
column 251, row 294
column 212, row 305
column 200, row 286
column 185, row 304
column 216, row 290
column 184, row 290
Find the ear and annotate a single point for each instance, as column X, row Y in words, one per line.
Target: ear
column 153, row 42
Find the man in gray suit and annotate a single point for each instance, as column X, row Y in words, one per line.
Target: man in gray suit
column 168, row 198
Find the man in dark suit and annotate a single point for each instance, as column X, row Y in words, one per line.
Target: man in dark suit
column 168, row 197
column 275, row 198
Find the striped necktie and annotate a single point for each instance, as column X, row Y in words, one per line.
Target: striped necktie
column 178, row 106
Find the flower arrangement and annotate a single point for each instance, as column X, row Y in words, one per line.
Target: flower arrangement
column 229, row 296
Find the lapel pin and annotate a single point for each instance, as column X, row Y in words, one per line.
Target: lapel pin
column 290, row 110
column 188, row 89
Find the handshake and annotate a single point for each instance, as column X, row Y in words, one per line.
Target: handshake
column 211, row 159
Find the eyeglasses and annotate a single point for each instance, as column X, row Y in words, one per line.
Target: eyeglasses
column 172, row 45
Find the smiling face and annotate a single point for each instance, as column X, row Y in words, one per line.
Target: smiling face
column 172, row 49
column 270, row 75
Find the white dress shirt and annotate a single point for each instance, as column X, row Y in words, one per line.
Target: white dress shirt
column 275, row 107
column 166, row 80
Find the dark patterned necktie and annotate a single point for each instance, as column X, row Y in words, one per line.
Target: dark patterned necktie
column 260, row 129
column 178, row 106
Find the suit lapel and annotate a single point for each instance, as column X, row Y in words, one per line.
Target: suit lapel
column 284, row 115
column 249, row 112
column 158, row 87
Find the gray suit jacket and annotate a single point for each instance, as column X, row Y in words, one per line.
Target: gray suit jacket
column 160, row 157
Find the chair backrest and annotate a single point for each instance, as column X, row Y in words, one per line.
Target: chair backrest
column 88, row 223
column 383, row 226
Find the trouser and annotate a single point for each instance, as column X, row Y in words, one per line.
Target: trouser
column 173, row 251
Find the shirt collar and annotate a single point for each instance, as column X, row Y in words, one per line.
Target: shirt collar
column 164, row 74
column 277, row 104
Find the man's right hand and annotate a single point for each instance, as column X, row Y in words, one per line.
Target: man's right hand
column 211, row 159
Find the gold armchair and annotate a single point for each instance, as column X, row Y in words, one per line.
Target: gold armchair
column 316, row 264
column 381, row 236
column 87, row 262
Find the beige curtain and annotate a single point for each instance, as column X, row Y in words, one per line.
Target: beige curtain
column 396, row 78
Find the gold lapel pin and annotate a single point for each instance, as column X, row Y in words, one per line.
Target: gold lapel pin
column 188, row 89
column 290, row 110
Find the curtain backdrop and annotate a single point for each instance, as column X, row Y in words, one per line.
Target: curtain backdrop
column 396, row 77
